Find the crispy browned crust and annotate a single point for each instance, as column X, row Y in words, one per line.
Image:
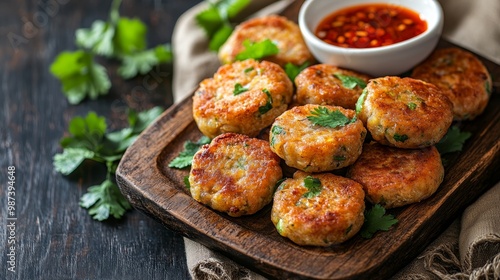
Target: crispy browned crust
column 216, row 109
column 332, row 217
column 405, row 112
column 283, row 32
column 318, row 84
column 235, row 174
column 461, row 76
column 396, row 177
column 313, row 148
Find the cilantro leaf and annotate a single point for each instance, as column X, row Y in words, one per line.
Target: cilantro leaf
column 257, row 50
column 186, row 182
column 129, row 37
column 269, row 104
column 185, row 157
column 215, row 20
column 313, row 186
column 453, row 141
column 105, row 200
column 400, row 137
column 360, row 101
column 98, row 38
column 375, row 220
column 220, row 37
column 80, row 76
column 89, row 140
column 142, row 62
column 350, row 82
column 230, row 8
column 275, row 130
column 209, row 20
column 139, row 121
column 293, row 70
column 70, row 159
column 412, row 106
column 85, row 132
column 238, row 89
column 322, row 116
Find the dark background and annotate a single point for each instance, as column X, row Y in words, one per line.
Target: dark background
column 56, row 238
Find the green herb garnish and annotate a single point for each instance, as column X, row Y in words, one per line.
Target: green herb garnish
column 80, row 76
column 269, row 104
column 453, row 141
column 186, row 182
column 238, row 89
column 249, row 69
column 361, row 100
column 118, row 37
column 275, row 130
column 313, row 186
column 216, row 20
column 375, row 220
column 293, row 70
column 322, row 116
column 279, row 226
column 400, row 137
column 339, row 158
column 412, row 106
column 257, row 50
column 350, row 82
column 89, row 140
column 185, row 158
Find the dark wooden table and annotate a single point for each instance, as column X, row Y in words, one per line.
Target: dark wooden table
column 55, row 237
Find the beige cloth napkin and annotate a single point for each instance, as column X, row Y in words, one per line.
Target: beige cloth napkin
column 468, row 249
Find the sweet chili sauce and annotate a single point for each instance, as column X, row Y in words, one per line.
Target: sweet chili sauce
column 370, row 25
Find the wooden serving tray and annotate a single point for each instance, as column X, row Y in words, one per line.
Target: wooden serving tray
column 159, row 191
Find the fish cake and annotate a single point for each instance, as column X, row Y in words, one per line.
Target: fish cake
column 329, row 85
column 405, row 112
column 312, row 147
column 320, row 209
column 396, row 177
column 234, row 174
column 461, row 76
column 242, row 97
column 281, row 31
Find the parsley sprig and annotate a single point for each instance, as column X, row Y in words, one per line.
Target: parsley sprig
column 118, row 37
column 453, row 141
column 257, row 50
column 89, row 140
column 313, row 186
column 216, row 20
column 375, row 220
column 322, row 116
column 350, row 82
column 293, row 70
column 185, row 157
column 80, row 76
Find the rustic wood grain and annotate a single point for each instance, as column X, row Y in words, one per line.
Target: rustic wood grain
column 159, row 191
column 57, row 239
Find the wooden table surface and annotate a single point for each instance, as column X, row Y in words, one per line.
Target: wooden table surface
column 55, row 237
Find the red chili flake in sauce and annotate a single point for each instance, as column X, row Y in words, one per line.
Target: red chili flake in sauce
column 370, row 25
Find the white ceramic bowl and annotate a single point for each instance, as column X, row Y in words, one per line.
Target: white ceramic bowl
column 393, row 59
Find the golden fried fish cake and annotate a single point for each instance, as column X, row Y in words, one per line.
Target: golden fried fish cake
column 235, row 174
column 329, row 85
column 281, row 31
column 461, row 76
column 396, row 177
column 318, row 209
column 311, row 147
column 242, row 97
column 405, row 112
